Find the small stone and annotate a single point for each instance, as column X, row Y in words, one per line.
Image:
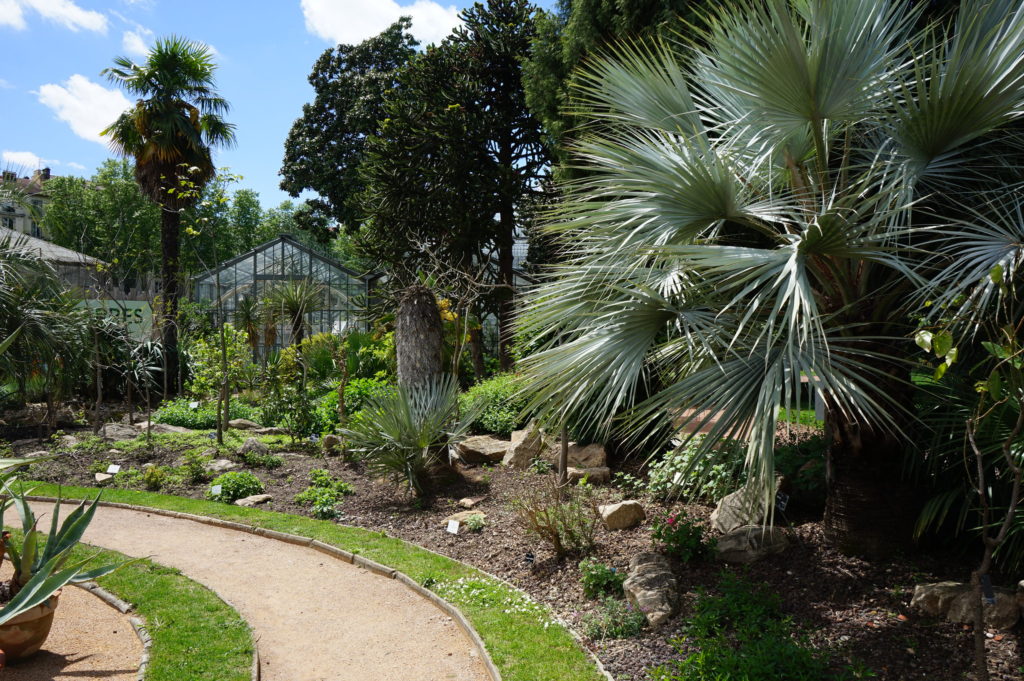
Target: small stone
column 482, row 449
column 751, row 543
column 35, row 455
column 220, row 465
column 623, row 515
column 103, row 477
column 651, row 587
column 934, row 599
column 462, row 516
column 594, row 476
column 270, row 431
column 470, row 502
column 254, row 500
column 253, row 446
column 243, row 424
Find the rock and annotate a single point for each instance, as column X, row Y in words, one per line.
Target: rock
column 32, row 441
column 243, row 424
column 67, row 441
column 463, row 516
column 934, row 599
column 332, row 445
column 36, row 455
column 103, row 477
column 470, row 502
column 254, row 500
column 750, row 543
column 220, row 465
column 591, row 456
column 623, row 515
column 270, row 431
column 652, row 588
column 481, row 449
column 745, row 506
column 253, row 446
column 594, row 476
column 161, row 428
column 1003, row 614
column 118, row 432
column 526, row 446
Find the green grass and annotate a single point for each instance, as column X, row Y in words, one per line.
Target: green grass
column 196, row 635
column 519, row 635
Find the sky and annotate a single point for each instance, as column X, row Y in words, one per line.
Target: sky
column 54, row 102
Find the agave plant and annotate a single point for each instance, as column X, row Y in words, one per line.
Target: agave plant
column 403, row 435
column 759, row 210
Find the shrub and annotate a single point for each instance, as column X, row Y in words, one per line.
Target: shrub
column 541, row 466
column 567, row 524
column 679, row 537
column 614, row 619
column 234, row 485
column 599, row 579
column 258, row 460
column 155, row 477
column 203, row 417
column 475, row 523
column 194, row 468
column 742, row 634
column 358, row 392
column 501, row 407
column 690, row 475
column 205, row 362
column 403, row 435
column 323, row 494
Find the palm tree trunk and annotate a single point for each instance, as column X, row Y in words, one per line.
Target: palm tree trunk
column 419, row 337
column 506, row 297
column 170, row 245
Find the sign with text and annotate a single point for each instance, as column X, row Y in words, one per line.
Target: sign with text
column 137, row 315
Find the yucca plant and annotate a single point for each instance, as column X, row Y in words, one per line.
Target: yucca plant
column 759, row 205
column 292, row 302
column 403, row 434
column 43, row 567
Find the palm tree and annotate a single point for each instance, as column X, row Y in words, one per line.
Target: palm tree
column 293, row 301
column 170, row 131
column 759, row 210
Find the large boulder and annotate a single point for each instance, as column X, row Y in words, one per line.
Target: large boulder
column 243, row 424
column 160, row 428
column 253, row 446
column 751, row 543
column 526, row 446
column 595, row 476
column 482, row 449
column 274, row 430
column 934, row 599
column 745, row 506
column 652, row 588
column 590, row 456
column 1003, row 614
column 623, row 515
column 119, row 431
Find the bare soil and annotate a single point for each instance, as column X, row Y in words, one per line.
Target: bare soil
column 856, row 609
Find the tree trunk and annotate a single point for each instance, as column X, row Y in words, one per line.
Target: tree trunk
column 170, row 244
column 476, row 352
column 419, row 336
column 869, row 509
column 506, row 297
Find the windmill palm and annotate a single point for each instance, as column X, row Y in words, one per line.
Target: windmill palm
column 176, row 120
column 758, row 209
column 293, row 302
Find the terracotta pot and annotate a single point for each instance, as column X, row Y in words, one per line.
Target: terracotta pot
column 26, row 633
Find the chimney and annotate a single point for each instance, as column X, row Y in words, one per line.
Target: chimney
column 45, row 173
column 41, row 175
column 10, row 176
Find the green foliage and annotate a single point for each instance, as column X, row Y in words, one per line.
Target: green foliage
column 475, row 523
column 358, row 392
column 324, row 494
column 694, row 474
column 193, row 470
column 259, row 460
column 502, row 409
column 803, row 463
column 205, row 362
column 600, row 579
column 565, row 519
column 403, row 435
column 615, row 618
column 741, row 634
column 234, row 485
column 155, row 477
column 679, row 537
column 541, row 466
column 203, row 417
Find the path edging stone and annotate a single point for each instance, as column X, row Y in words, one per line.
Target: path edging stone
column 340, row 554
column 138, row 624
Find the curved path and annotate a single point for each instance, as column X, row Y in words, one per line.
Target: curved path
column 315, row 618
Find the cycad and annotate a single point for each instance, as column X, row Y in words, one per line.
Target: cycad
column 757, row 208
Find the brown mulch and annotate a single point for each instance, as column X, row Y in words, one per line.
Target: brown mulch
column 856, row 609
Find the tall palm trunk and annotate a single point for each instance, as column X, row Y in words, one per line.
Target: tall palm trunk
column 419, row 336
column 170, row 245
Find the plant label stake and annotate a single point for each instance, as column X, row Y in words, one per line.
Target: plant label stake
column 781, row 500
column 453, row 527
column 113, row 469
column 215, row 490
column 986, row 589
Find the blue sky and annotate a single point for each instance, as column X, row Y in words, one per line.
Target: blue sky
column 53, row 101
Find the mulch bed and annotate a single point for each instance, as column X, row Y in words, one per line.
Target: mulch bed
column 858, row 610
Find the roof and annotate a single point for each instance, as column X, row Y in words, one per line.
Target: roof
column 49, row 251
column 285, row 239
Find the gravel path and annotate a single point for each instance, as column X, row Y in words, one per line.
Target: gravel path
column 315, row 618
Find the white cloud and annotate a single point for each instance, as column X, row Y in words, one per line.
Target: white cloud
column 352, row 21
column 76, row 166
column 63, row 12
column 84, row 105
column 25, row 160
column 5, row 84
column 137, row 42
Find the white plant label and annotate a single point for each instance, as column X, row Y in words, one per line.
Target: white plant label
column 193, row 405
column 113, row 469
column 453, row 526
column 215, row 490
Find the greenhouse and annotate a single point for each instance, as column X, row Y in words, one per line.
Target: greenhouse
column 283, row 290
